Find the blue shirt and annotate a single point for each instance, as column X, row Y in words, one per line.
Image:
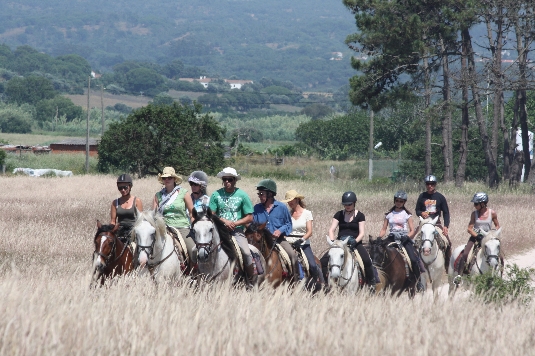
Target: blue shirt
column 277, row 219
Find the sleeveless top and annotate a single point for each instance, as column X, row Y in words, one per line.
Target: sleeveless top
column 125, row 217
column 481, row 224
column 175, row 214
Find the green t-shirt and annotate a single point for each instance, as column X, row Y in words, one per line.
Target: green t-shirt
column 175, row 214
column 231, row 206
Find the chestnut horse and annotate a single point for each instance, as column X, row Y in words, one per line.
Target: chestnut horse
column 264, row 241
column 391, row 262
column 111, row 257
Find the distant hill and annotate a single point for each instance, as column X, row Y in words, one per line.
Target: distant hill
column 250, row 39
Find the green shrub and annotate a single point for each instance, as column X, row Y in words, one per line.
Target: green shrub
column 14, row 119
column 2, row 157
column 514, row 287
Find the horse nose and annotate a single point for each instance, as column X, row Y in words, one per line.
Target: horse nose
column 143, row 258
column 427, row 251
column 202, row 255
column 335, row 272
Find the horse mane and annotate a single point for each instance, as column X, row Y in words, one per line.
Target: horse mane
column 268, row 236
column 104, row 228
column 153, row 218
column 224, row 234
column 490, row 236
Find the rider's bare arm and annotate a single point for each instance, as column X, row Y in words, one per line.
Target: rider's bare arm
column 334, row 225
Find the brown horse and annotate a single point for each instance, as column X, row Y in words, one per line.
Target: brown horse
column 264, row 241
column 392, row 264
column 111, row 257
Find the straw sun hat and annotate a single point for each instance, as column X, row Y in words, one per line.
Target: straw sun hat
column 169, row 172
column 291, row 195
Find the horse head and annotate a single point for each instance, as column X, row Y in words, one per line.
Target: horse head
column 378, row 250
column 491, row 247
column 206, row 234
column 254, row 233
column 337, row 256
column 149, row 231
column 105, row 242
column 429, row 232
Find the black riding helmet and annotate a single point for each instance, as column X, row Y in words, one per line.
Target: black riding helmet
column 349, row 198
column 124, row 178
column 400, row 194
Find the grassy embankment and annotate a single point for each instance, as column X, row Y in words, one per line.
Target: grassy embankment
column 48, row 225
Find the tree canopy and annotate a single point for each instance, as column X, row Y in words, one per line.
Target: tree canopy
column 156, row 136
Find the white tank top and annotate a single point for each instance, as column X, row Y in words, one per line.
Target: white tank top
column 483, row 224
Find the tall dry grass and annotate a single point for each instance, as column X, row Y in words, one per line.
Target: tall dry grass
column 47, row 226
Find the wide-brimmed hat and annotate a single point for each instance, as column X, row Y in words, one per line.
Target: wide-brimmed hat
column 169, row 172
column 291, row 195
column 228, row 172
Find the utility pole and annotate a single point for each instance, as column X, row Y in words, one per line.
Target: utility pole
column 370, row 161
column 102, row 107
column 87, row 124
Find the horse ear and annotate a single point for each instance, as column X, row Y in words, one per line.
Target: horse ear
column 194, row 214
column 434, row 221
column 209, row 213
column 262, row 226
column 421, row 219
column 370, row 239
column 329, row 241
column 99, row 225
column 498, row 232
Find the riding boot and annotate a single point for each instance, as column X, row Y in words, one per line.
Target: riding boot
column 447, row 256
column 370, row 278
column 420, row 287
column 251, row 277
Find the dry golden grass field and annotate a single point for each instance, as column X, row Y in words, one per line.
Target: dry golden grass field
column 46, row 306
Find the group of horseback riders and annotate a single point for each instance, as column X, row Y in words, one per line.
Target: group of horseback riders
column 291, row 226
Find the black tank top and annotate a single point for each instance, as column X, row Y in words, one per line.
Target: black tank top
column 126, row 217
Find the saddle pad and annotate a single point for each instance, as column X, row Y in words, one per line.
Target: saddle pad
column 180, row 240
column 403, row 253
column 284, row 257
column 238, row 251
column 357, row 257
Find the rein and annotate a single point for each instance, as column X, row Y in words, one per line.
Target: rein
column 112, row 252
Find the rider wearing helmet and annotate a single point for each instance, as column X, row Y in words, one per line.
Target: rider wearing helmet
column 198, row 181
column 431, row 204
column 399, row 219
column 350, row 223
column 481, row 219
column 124, row 209
column 277, row 217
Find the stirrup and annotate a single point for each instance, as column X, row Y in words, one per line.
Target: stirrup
column 458, row 279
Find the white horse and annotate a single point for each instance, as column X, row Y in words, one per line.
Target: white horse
column 214, row 263
column 487, row 259
column 430, row 254
column 156, row 252
column 343, row 267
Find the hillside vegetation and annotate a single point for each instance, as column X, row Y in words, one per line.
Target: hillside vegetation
column 250, row 39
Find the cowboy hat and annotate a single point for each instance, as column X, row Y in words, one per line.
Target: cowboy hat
column 169, row 172
column 228, row 172
column 291, row 195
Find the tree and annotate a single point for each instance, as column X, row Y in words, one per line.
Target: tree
column 46, row 110
column 143, row 80
column 15, row 120
column 29, row 90
column 317, row 111
column 156, row 136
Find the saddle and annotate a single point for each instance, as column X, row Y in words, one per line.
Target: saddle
column 470, row 261
column 302, row 260
column 180, row 246
column 403, row 252
column 285, row 259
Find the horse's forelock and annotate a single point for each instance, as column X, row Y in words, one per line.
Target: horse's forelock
column 104, row 228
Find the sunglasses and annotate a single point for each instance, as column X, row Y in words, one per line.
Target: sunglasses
column 261, row 194
column 191, row 184
column 226, row 179
column 123, row 187
column 166, row 178
column 475, row 204
column 399, row 201
column 430, row 183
